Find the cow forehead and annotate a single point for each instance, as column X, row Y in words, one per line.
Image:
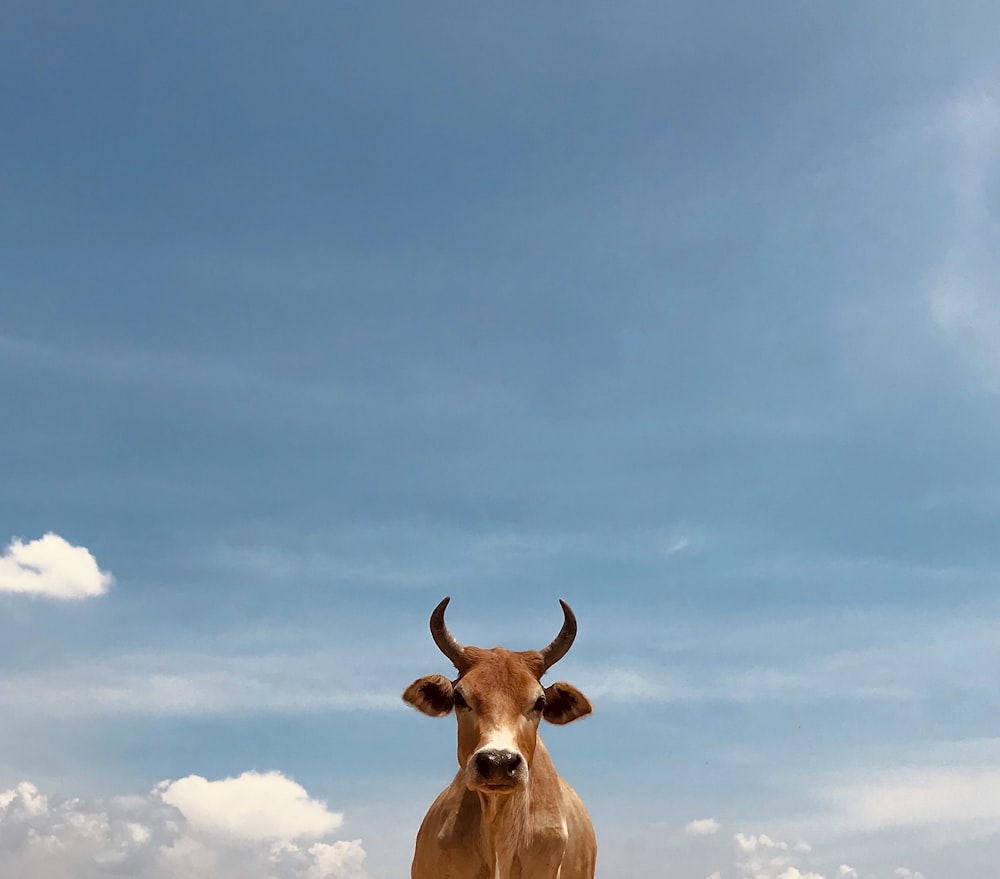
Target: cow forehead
column 501, row 673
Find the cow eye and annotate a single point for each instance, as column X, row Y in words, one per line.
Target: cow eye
column 460, row 702
column 539, row 704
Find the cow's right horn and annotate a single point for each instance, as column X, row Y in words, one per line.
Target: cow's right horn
column 564, row 640
column 447, row 643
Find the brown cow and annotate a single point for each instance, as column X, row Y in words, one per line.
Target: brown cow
column 507, row 814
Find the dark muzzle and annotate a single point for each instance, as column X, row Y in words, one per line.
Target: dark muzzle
column 498, row 767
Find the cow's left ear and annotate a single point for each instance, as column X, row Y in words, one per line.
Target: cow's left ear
column 432, row 695
column 565, row 703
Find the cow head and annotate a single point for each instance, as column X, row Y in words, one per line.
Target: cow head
column 499, row 701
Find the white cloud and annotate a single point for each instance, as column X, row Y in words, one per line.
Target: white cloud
column 702, row 827
column 337, row 859
column 193, row 837
column 252, row 806
column 761, row 857
column 52, row 567
column 766, row 856
column 29, row 801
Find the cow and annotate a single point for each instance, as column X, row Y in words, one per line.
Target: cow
column 507, row 814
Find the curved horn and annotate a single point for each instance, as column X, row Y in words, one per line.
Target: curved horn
column 447, row 643
column 564, row 640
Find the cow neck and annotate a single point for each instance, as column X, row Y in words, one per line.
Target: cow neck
column 506, row 827
column 507, row 823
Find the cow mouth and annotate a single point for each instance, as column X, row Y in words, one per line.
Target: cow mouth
column 497, row 787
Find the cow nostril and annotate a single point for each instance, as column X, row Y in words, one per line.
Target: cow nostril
column 512, row 763
column 486, row 762
column 498, row 764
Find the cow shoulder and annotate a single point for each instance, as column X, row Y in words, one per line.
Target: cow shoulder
column 448, row 840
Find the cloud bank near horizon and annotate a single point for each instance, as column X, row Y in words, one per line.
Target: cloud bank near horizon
column 760, row 856
column 189, row 828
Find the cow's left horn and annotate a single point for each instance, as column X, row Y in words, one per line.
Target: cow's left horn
column 564, row 640
column 447, row 643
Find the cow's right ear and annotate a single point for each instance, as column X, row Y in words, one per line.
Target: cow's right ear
column 432, row 695
column 564, row 703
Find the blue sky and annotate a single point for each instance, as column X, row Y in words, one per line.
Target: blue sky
column 312, row 314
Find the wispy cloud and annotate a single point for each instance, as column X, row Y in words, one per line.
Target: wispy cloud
column 682, row 540
column 821, row 658
column 895, row 659
column 407, row 554
column 959, row 797
column 197, row 684
column 134, row 365
column 934, row 804
column 935, row 316
column 702, row 827
column 51, row 567
column 626, row 685
column 964, row 296
column 244, row 387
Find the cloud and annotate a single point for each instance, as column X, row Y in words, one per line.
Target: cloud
column 764, row 856
column 184, row 829
column 944, row 319
column 185, row 684
column 702, row 827
column 893, row 659
column 961, row 797
column 30, row 801
column 611, row 684
column 681, row 540
column 942, row 812
column 407, row 555
column 53, row 568
column 761, row 857
column 252, row 806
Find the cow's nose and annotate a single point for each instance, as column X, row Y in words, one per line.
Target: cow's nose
column 498, row 764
